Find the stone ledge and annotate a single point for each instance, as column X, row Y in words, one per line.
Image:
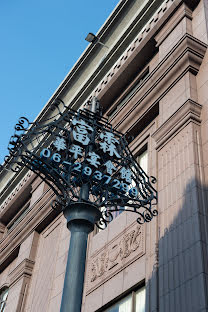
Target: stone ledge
column 133, row 49
column 189, row 111
column 18, row 190
column 179, row 15
column 185, row 56
column 159, row 19
column 25, row 268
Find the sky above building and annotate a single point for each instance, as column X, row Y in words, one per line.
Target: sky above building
column 40, row 42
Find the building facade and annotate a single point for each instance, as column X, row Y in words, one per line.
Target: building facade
column 152, row 84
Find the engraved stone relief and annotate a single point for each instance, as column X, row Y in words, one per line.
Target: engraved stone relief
column 115, row 256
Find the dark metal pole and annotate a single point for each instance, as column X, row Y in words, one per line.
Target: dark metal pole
column 81, row 218
column 74, row 278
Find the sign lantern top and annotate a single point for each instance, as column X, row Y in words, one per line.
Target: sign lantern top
column 83, row 159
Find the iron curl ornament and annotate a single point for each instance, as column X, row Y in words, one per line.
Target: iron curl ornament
column 83, row 159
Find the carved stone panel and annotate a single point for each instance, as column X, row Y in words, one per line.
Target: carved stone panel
column 125, row 248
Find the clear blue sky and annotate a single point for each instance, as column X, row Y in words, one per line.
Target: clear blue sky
column 40, row 42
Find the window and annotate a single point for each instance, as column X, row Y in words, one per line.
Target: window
column 3, row 299
column 143, row 160
column 136, row 85
column 135, row 302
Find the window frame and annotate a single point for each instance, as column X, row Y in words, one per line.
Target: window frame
column 132, row 87
column 3, row 291
column 132, row 292
column 142, row 150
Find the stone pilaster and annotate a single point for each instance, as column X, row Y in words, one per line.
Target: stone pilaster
column 182, row 269
column 21, row 275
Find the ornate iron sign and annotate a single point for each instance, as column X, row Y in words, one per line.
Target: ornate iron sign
column 83, row 159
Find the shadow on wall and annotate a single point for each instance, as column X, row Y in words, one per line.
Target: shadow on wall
column 180, row 276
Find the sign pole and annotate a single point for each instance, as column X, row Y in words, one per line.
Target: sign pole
column 81, row 218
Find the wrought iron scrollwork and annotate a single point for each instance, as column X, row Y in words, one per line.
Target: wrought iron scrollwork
column 22, row 124
column 79, row 152
column 153, row 180
column 107, row 217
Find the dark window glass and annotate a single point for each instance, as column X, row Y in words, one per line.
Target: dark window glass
column 135, row 302
column 3, row 299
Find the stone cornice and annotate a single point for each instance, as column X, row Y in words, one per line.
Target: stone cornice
column 189, row 111
column 2, row 229
column 116, row 46
column 24, row 269
column 157, row 21
column 36, row 183
column 136, row 45
column 104, row 33
column 186, row 55
column 26, row 180
column 5, row 285
column 183, row 11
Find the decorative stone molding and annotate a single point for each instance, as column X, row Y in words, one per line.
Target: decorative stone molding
column 182, row 12
column 185, row 56
column 132, row 47
column 40, row 212
column 24, row 269
column 36, row 183
column 16, row 190
column 115, row 256
column 20, row 279
column 2, row 229
column 189, row 111
column 156, row 20
column 4, row 285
